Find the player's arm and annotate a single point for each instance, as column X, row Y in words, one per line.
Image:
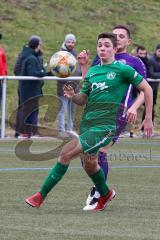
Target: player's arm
column 132, row 111
column 79, row 98
column 148, row 98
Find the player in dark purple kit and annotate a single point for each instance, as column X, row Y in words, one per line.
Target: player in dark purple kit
column 131, row 105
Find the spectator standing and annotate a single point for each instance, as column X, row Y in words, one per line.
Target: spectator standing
column 154, row 73
column 30, row 63
column 141, row 52
column 3, row 66
column 66, row 106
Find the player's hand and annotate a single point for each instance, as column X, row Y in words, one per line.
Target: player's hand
column 83, row 57
column 68, row 91
column 147, row 125
column 131, row 115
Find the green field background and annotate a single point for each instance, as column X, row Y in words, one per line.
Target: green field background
column 133, row 214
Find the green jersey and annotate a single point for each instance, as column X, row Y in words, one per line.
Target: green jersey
column 105, row 86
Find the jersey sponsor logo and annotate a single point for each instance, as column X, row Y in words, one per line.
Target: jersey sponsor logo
column 111, row 75
column 100, row 85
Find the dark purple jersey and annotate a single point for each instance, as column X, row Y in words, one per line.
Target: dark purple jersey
column 128, row 59
column 132, row 61
column 139, row 66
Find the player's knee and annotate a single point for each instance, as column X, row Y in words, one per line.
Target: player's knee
column 104, row 149
column 90, row 164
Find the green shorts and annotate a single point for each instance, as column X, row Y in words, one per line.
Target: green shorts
column 94, row 138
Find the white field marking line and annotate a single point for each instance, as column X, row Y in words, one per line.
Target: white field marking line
column 78, row 167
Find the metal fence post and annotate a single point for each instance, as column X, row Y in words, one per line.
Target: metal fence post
column 3, row 118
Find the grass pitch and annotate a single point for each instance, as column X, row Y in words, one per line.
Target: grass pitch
column 133, row 214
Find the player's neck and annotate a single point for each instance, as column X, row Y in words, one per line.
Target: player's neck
column 108, row 61
column 120, row 51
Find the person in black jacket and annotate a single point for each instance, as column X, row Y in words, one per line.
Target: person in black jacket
column 30, row 63
column 141, row 52
column 154, row 73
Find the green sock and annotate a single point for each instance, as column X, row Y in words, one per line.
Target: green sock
column 53, row 178
column 100, row 182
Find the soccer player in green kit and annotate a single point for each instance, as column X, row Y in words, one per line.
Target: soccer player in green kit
column 101, row 93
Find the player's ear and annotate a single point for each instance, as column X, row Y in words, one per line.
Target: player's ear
column 129, row 41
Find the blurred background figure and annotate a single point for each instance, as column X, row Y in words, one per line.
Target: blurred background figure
column 67, row 108
column 3, row 68
column 29, row 63
column 142, row 53
column 153, row 72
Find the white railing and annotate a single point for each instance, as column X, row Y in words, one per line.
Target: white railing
column 4, row 80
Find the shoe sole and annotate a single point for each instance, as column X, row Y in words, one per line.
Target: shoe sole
column 107, row 203
column 31, row 204
column 90, row 207
column 92, row 204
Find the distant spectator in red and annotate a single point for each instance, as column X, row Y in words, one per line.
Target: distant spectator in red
column 3, row 66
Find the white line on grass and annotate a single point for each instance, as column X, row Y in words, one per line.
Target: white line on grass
column 77, row 167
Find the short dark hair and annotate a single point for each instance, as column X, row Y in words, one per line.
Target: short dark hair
column 123, row 27
column 140, row 47
column 0, row 35
column 158, row 46
column 110, row 35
